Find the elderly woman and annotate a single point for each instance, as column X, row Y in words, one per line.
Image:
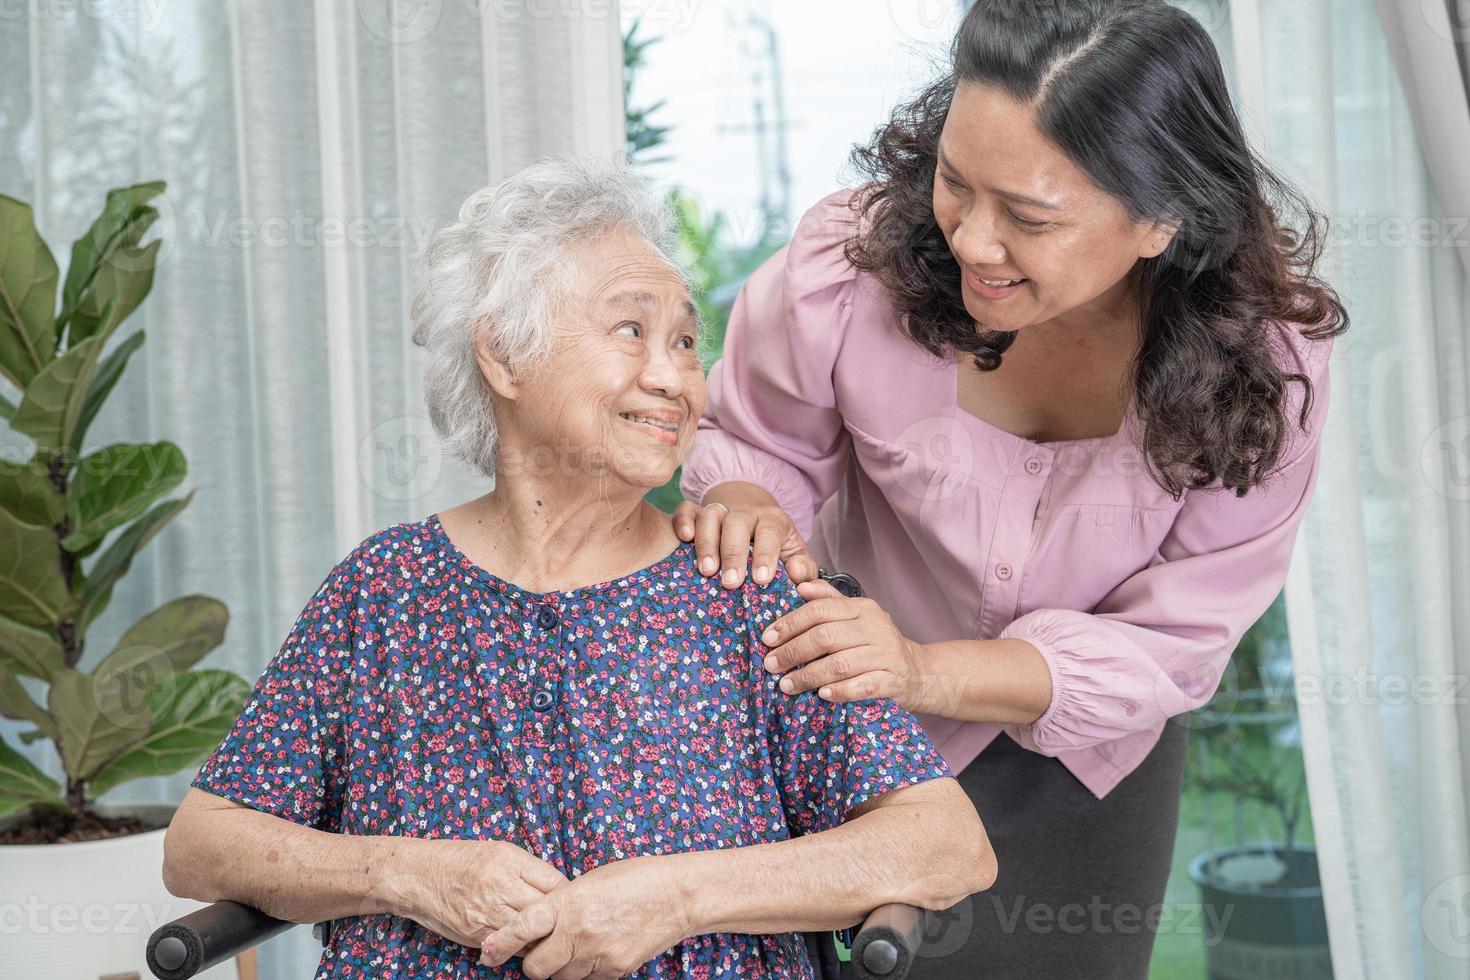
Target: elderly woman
column 524, row 734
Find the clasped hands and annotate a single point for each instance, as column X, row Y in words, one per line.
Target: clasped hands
column 603, row 924
column 501, row 899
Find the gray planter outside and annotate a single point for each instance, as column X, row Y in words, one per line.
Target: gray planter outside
column 1268, row 931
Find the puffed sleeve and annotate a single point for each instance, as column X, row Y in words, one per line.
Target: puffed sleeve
column 829, row 758
column 772, row 417
column 1158, row 644
column 285, row 753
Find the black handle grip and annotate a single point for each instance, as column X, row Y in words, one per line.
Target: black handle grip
column 887, row 943
column 842, row 582
column 192, row 944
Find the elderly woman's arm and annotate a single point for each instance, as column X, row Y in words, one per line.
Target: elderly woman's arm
column 920, row 845
column 219, row 850
column 216, row 850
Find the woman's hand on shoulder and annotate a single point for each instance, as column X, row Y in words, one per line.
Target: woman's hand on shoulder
column 740, row 520
column 847, row 648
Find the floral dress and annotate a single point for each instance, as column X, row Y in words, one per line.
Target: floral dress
column 420, row 695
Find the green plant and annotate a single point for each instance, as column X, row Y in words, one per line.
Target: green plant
column 640, row 132
column 719, row 268
column 142, row 710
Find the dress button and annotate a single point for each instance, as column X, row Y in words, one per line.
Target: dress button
column 546, row 618
column 1002, row 571
column 1033, row 466
column 542, row 700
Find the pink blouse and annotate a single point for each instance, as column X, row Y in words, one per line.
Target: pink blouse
column 960, row 529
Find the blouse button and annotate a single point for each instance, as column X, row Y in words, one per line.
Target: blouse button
column 1002, row 571
column 1033, row 466
column 546, row 618
column 542, row 700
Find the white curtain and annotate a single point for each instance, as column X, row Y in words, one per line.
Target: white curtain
column 1430, row 41
column 1378, row 600
column 309, row 149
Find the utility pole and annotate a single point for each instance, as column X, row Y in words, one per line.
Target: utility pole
column 780, row 182
column 769, row 121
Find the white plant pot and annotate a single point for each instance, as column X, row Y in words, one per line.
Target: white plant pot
column 85, row 910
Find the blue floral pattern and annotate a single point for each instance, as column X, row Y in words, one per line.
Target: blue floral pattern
column 420, row 695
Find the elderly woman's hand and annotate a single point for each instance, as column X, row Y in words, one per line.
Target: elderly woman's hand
column 849, row 649
column 735, row 518
column 465, row 889
column 604, row 924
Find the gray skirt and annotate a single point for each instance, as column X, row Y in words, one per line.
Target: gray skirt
column 1081, row 880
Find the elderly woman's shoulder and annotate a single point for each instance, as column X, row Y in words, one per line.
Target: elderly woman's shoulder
column 395, row 559
column 764, row 603
column 703, row 599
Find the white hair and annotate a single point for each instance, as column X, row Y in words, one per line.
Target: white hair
column 505, row 263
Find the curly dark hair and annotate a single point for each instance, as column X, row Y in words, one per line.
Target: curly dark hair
column 1133, row 93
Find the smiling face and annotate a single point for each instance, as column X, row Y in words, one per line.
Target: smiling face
column 622, row 390
column 1034, row 237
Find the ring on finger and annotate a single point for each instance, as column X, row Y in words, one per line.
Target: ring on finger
column 719, row 505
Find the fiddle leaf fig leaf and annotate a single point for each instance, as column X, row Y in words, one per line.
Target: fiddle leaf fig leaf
column 16, row 703
column 28, row 276
column 125, row 216
column 190, row 719
column 120, row 285
column 29, row 652
column 109, row 247
column 28, row 493
column 96, row 721
column 115, row 485
column 115, row 561
column 166, row 642
column 21, row 783
column 52, row 404
column 32, row 591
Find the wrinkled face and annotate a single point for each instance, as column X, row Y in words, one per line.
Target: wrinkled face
column 621, row 394
column 1034, row 237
